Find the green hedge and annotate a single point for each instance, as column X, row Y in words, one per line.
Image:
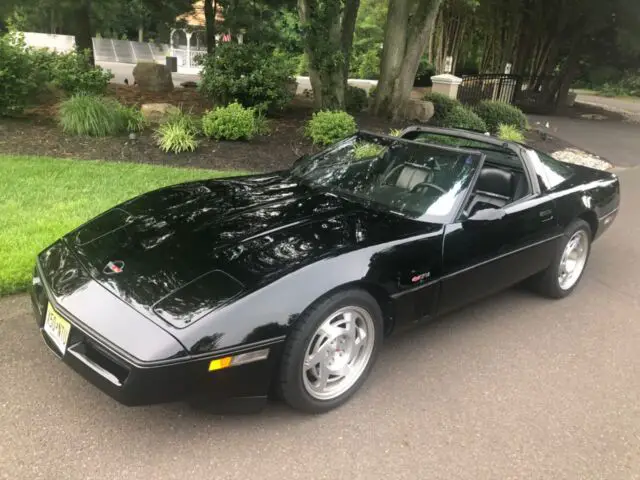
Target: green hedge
column 450, row 113
column 462, row 117
column 328, row 127
column 251, row 74
column 443, row 106
column 233, row 122
column 495, row 114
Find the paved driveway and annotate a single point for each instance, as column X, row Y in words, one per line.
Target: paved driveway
column 613, row 140
column 629, row 105
column 515, row 387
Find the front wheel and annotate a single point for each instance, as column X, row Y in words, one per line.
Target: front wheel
column 331, row 351
column 568, row 264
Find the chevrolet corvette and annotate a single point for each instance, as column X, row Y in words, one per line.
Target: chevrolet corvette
column 287, row 283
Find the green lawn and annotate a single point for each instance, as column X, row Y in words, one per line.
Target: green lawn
column 42, row 198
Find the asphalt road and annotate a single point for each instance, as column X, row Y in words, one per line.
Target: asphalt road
column 630, row 105
column 515, row 387
column 614, row 140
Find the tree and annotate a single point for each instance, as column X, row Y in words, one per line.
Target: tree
column 409, row 28
column 327, row 31
column 85, row 18
column 368, row 39
column 210, row 7
column 83, row 32
column 452, row 24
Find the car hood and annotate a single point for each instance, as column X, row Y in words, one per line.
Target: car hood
column 180, row 252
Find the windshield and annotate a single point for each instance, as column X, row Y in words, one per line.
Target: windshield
column 416, row 180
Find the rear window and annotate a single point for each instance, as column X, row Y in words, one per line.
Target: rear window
column 550, row 172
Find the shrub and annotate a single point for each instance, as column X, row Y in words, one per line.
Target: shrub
column 178, row 132
column 465, row 118
column 233, row 122
column 328, row 127
column 355, row 99
column 251, row 74
column 20, row 76
column 443, row 106
column 496, row 113
column 132, row 119
column 73, row 73
column 91, row 115
column 176, row 138
column 599, row 76
column 510, row 133
column 425, row 71
column 189, row 122
column 628, row 85
column 369, row 64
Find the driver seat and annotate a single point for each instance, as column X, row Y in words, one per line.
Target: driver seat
column 407, row 176
column 494, row 189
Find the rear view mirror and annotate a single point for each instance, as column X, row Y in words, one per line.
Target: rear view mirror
column 486, row 215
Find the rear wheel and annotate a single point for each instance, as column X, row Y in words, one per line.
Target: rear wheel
column 331, row 351
column 568, row 264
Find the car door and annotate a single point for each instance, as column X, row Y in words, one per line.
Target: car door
column 481, row 258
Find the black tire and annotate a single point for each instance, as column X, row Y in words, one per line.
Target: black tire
column 546, row 282
column 291, row 385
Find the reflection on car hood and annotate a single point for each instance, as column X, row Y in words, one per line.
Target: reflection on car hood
column 188, row 249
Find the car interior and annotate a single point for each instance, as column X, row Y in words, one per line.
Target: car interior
column 502, row 180
column 497, row 186
column 410, row 180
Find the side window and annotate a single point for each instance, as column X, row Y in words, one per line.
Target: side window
column 550, row 172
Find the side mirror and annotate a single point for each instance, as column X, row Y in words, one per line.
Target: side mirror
column 485, row 216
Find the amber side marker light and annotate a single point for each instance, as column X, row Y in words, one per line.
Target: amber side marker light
column 240, row 359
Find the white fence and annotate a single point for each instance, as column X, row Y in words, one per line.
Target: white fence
column 121, row 51
column 58, row 43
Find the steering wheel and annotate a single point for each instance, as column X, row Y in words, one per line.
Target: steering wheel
column 428, row 185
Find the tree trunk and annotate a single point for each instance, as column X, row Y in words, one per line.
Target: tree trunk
column 140, row 33
column 328, row 37
column 83, row 29
column 405, row 40
column 568, row 74
column 210, row 7
column 52, row 21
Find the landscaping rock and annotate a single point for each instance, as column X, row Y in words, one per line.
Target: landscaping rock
column 573, row 155
column 419, row 111
column 153, row 77
column 157, row 112
column 189, row 84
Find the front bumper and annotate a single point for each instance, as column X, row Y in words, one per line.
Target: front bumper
column 139, row 383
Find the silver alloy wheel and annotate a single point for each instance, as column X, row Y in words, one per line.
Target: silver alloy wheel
column 573, row 260
column 338, row 353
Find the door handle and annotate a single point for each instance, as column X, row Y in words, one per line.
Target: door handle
column 546, row 215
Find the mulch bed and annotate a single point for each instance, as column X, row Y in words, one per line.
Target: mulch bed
column 36, row 133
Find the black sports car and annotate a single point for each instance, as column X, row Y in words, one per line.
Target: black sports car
column 288, row 282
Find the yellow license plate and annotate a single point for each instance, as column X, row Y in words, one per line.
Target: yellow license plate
column 57, row 328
